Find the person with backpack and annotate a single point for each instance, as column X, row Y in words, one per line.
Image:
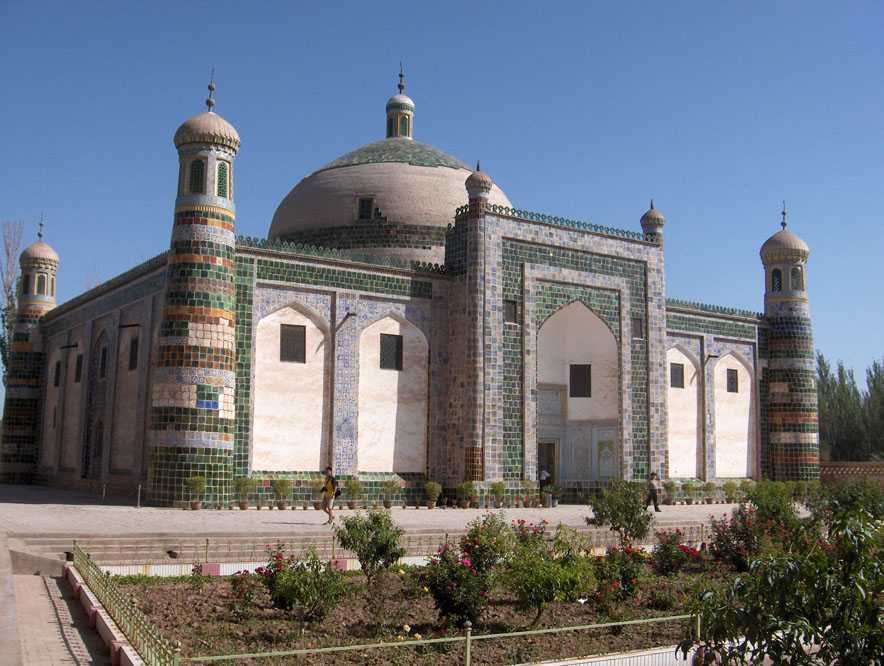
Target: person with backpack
column 329, row 493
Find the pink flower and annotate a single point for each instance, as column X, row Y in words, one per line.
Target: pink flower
column 466, row 562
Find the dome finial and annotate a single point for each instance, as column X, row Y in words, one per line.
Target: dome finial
column 210, row 100
column 652, row 204
column 401, row 85
column 478, row 168
column 783, row 223
column 40, row 226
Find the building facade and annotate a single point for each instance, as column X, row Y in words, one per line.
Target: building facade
column 402, row 320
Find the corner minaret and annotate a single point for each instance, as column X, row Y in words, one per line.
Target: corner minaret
column 400, row 112
column 24, row 370
column 789, row 381
column 652, row 224
column 192, row 412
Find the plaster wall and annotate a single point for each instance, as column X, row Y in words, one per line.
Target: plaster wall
column 289, row 407
column 685, row 431
column 125, row 437
column 734, row 422
column 575, row 335
column 392, row 431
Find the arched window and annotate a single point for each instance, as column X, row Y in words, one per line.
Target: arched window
column 222, row 179
column 26, row 284
column 403, row 125
column 197, row 177
column 797, row 279
column 52, row 286
column 391, row 125
column 776, row 280
column 41, row 284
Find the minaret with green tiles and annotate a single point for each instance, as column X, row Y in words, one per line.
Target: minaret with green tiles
column 790, row 416
column 192, row 408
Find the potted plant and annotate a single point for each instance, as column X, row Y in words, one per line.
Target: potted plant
column 464, row 492
column 197, row 487
column 689, row 488
column 730, row 491
column 555, row 493
column 354, row 492
column 498, row 490
column 669, row 487
column 529, row 489
column 746, row 486
column 710, row 490
column 244, row 486
column 318, row 486
column 391, row 488
column 545, row 497
column 433, row 490
column 282, row 488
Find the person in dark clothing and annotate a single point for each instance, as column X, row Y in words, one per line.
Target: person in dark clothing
column 655, row 487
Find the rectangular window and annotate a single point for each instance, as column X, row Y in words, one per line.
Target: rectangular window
column 102, row 366
column 638, row 328
column 510, row 312
column 292, row 343
column 57, row 379
column 391, row 352
column 366, row 208
column 676, row 375
column 54, row 412
column 732, row 383
column 133, row 353
column 581, row 381
column 78, row 371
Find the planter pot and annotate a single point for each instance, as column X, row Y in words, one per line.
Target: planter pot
column 305, row 506
column 474, row 502
column 689, row 500
column 431, row 504
column 388, row 504
column 496, row 502
column 196, row 506
column 463, row 504
column 351, row 504
column 555, row 501
column 709, row 500
column 243, row 505
column 317, row 505
column 668, row 501
column 281, row 504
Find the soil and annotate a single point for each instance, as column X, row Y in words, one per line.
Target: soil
column 202, row 621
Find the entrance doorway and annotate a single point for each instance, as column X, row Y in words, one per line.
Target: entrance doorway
column 547, row 460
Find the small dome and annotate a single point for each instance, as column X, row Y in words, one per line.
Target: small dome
column 479, row 181
column 653, row 215
column 784, row 246
column 207, row 127
column 400, row 101
column 38, row 251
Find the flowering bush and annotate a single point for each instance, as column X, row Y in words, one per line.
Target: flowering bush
column 618, row 574
column 277, row 563
column 670, row 555
column 374, row 539
column 309, row 587
column 243, row 588
column 529, row 534
column 534, row 578
column 736, row 540
column 459, row 589
column 622, row 508
column 488, row 542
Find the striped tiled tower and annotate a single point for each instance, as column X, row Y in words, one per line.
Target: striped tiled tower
column 789, row 381
column 24, row 370
column 192, row 409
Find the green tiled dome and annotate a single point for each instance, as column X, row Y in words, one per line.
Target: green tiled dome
column 406, row 151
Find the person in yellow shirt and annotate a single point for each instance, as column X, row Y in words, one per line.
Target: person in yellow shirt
column 329, row 490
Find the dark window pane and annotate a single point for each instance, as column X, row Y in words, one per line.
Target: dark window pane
column 776, row 280
column 78, row 372
column 133, row 353
column 57, row 378
column 676, row 375
column 222, row 179
column 638, row 327
column 581, row 381
column 293, row 343
column 391, row 352
column 510, row 312
column 732, row 385
column 102, row 366
column 366, row 205
column 797, row 279
column 403, row 125
column 197, row 177
column 26, row 284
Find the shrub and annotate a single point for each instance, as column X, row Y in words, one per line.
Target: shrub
column 689, row 490
column 746, row 486
column 459, row 591
column 489, row 541
column 529, row 489
column 244, row 486
column 391, row 488
column 744, row 536
column 622, row 508
column 529, row 533
column 710, row 489
column 433, row 490
column 662, row 600
column 374, row 539
column 730, row 491
column 618, row 573
column 850, row 496
column 466, row 490
column 498, row 489
column 309, row 587
column 353, row 487
column 671, row 488
column 197, row 487
column 576, row 579
column 669, row 557
column 282, row 488
column 773, row 500
column 244, row 585
column 534, row 578
column 569, row 544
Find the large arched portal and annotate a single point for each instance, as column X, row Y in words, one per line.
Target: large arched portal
column 290, row 429
column 734, row 417
column 578, row 382
column 392, row 435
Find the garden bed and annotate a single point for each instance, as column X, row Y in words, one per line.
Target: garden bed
column 200, row 617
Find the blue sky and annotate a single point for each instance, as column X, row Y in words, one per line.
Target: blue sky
column 717, row 110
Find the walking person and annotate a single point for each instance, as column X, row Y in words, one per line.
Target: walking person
column 655, row 488
column 329, row 492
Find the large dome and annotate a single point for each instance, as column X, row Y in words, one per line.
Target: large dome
column 414, row 187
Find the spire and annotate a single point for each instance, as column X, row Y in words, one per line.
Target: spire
column 210, row 100
column 478, row 168
column 40, row 227
column 401, row 85
column 652, row 204
column 783, row 213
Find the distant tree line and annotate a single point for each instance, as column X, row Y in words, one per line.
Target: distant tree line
column 851, row 419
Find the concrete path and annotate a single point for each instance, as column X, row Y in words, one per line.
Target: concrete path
column 52, row 627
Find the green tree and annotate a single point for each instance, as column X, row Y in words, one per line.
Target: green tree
column 841, row 413
column 873, row 407
column 374, row 539
column 621, row 507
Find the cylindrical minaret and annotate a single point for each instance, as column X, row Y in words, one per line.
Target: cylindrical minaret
column 400, row 113
column 652, row 224
column 192, row 410
column 24, row 370
column 789, row 381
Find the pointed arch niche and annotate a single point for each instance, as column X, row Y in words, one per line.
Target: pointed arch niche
column 734, row 417
column 392, row 423
column 684, row 415
column 290, row 420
